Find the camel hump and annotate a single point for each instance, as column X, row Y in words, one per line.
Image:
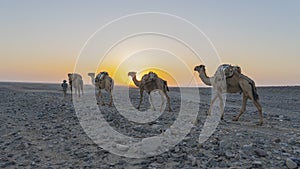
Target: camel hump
column 101, row 76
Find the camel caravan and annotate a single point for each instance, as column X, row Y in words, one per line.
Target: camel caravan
column 227, row 79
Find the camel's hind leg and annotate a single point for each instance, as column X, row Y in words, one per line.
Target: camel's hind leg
column 243, row 109
column 259, row 108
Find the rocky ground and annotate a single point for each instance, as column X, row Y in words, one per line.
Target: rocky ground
column 41, row 130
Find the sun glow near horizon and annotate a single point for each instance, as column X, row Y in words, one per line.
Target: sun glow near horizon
column 170, row 59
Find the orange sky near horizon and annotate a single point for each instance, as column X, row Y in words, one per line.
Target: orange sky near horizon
column 40, row 45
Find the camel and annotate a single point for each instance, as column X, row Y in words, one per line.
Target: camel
column 229, row 79
column 151, row 83
column 103, row 81
column 75, row 80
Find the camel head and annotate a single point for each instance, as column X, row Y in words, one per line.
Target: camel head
column 132, row 74
column 71, row 77
column 92, row 75
column 74, row 76
column 198, row 68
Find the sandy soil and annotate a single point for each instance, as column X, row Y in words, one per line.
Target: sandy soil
column 39, row 129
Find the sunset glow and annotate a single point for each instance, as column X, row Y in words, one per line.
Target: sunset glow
column 40, row 45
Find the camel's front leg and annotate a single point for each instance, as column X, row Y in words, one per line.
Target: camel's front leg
column 101, row 97
column 163, row 100
column 151, row 102
column 76, row 92
column 168, row 100
column 221, row 105
column 141, row 98
column 211, row 104
column 71, row 88
column 111, row 99
column 243, row 109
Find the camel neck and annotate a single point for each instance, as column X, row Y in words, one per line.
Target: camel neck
column 203, row 76
column 136, row 82
column 93, row 80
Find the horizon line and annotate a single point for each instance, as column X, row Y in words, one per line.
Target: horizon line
column 118, row 85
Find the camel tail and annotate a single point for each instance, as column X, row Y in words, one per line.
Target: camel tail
column 166, row 85
column 254, row 91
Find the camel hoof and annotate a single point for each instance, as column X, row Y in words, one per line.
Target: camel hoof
column 235, row 119
column 259, row 124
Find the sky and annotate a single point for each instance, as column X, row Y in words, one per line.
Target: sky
column 42, row 41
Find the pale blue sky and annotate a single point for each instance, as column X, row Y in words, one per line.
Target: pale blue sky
column 261, row 36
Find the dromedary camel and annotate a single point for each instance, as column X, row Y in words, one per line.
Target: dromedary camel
column 235, row 82
column 75, row 80
column 103, row 81
column 150, row 83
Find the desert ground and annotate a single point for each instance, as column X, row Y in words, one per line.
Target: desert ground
column 40, row 129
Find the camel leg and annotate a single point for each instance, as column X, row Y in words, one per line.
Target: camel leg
column 110, row 102
column 101, row 97
column 243, row 109
column 259, row 108
column 211, row 104
column 218, row 95
column 98, row 96
column 221, row 105
column 75, row 91
column 151, row 102
column 168, row 100
column 163, row 101
column 141, row 98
